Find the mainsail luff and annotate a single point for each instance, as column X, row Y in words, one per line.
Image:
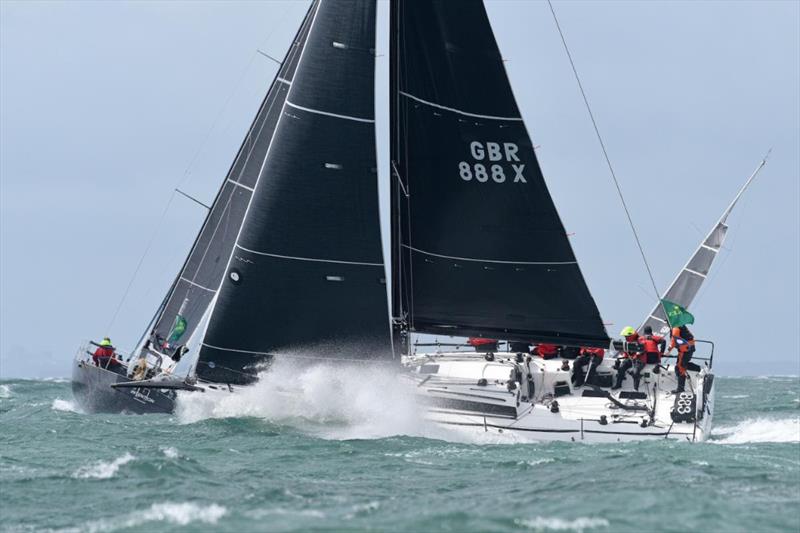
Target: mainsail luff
column 687, row 283
column 194, row 287
column 479, row 246
column 306, row 276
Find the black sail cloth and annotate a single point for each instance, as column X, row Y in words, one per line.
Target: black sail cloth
column 197, row 283
column 480, row 249
column 306, row 277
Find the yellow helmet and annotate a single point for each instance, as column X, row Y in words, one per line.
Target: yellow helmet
column 627, row 331
column 105, row 342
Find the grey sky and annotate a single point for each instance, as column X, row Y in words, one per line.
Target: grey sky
column 104, row 106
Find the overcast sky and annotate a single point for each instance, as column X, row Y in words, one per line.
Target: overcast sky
column 105, row 107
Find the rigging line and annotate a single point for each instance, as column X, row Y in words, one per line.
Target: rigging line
column 141, row 261
column 605, row 154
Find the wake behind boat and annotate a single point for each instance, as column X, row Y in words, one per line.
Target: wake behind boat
column 289, row 262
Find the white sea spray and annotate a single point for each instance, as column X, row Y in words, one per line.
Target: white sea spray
column 67, row 406
column 754, row 430
column 5, row 392
column 334, row 401
column 578, row 525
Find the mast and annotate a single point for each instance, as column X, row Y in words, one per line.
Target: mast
column 479, row 248
column 305, row 278
column 691, row 277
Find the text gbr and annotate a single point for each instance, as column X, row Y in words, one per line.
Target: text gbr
column 495, row 155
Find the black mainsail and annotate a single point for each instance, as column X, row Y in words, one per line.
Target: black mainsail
column 195, row 286
column 479, row 248
column 306, row 275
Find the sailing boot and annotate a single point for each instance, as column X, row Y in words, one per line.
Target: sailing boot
column 681, row 385
column 618, row 382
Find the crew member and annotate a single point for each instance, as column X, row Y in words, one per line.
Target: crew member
column 630, row 358
column 104, row 354
column 589, row 356
column 546, row 351
column 483, row 345
column 683, row 340
column 654, row 346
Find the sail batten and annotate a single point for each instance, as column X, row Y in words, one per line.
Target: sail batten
column 479, row 247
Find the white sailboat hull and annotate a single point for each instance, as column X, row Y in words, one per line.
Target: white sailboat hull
column 453, row 389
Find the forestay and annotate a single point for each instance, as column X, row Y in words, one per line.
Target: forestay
column 479, row 247
column 306, row 276
column 194, row 288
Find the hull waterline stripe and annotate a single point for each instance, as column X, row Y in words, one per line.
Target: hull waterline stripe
column 327, row 114
column 308, row 258
column 243, row 186
column 690, row 271
column 190, row 282
column 460, row 112
column 542, row 430
column 491, row 260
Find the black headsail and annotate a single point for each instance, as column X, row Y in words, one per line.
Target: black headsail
column 479, row 247
column 194, row 288
column 306, row 277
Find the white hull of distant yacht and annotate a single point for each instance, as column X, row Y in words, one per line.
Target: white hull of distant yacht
column 470, row 394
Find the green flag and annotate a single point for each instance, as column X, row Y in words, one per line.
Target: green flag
column 177, row 329
column 677, row 316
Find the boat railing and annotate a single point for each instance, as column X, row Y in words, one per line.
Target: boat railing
column 704, row 351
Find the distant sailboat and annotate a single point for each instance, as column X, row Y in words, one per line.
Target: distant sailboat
column 289, row 263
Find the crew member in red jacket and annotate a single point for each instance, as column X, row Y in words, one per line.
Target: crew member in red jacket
column 546, row 351
column 589, row 356
column 654, row 346
column 482, row 345
column 104, row 354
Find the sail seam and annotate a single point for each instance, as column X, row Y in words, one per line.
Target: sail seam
column 308, row 258
column 328, row 114
column 460, row 112
column 659, row 319
column 696, row 273
column 491, row 260
column 284, row 81
column 242, row 185
column 190, row 282
column 707, row 247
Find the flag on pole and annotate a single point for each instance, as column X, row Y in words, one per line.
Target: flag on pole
column 677, row 316
column 177, row 329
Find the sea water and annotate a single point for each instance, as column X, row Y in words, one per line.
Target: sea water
column 331, row 450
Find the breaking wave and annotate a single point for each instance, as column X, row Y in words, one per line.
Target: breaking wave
column 5, row 391
column 331, row 401
column 181, row 514
column 755, row 430
column 578, row 525
column 102, row 469
column 67, row 406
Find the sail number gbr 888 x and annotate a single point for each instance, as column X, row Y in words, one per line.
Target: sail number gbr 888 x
column 496, row 154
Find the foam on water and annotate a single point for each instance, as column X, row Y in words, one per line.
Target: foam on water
column 68, row 406
column 759, row 430
column 102, row 469
column 329, row 400
column 170, row 452
column 541, row 523
column 181, row 514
